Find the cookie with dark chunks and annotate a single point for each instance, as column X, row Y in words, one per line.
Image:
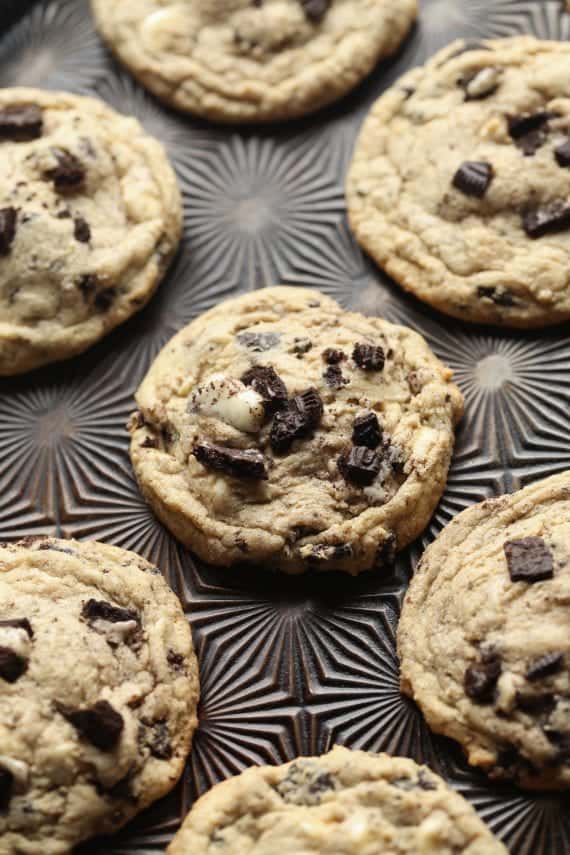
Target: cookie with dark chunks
column 248, row 61
column 248, row 453
column 345, row 801
column 459, row 185
column 98, row 691
column 90, row 216
column 484, row 636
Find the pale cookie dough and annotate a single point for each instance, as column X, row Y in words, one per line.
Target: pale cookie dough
column 98, row 692
column 460, row 183
column 279, row 428
column 344, row 803
column 252, row 60
column 90, row 216
column 484, row 638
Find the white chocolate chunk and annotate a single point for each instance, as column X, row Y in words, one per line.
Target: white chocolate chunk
column 17, row 639
column 18, row 769
column 483, row 83
column 432, row 832
column 231, row 401
column 159, row 28
column 116, row 632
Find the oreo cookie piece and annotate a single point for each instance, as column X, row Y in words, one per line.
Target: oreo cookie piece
column 249, row 464
column 267, row 383
column 366, row 430
column 300, row 419
column 360, row 465
column 369, row 357
column 21, row 123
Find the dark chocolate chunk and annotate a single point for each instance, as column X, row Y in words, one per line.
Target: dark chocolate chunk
column 548, row 220
column 529, row 131
column 370, row 357
column 155, row 735
column 332, row 356
column 480, row 679
column 68, row 173
column 473, row 178
column 104, row 299
column 8, row 218
column 386, row 552
column 258, row 342
column 321, row 553
column 267, row 383
column 19, row 623
column 366, row 430
column 12, row 666
column 21, row 123
column 149, row 442
column 315, row 10
column 562, row 153
column 529, row 560
column 175, row 660
column 535, row 704
column 6, row 786
column 360, row 465
column 301, row 346
column 499, row 297
column 94, row 610
column 334, row 378
column 301, row 418
column 81, row 230
column 238, row 463
column 547, row 665
column 101, row 725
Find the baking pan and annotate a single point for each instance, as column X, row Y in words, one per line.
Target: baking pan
column 288, row 665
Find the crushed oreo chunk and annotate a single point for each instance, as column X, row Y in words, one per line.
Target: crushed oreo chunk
column 334, row 377
column 424, row 781
column 81, row 230
column 473, row 178
column 8, row 219
column 301, row 346
column 529, row 131
column 480, row 680
column 332, row 355
column 18, row 623
column 548, row 220
column 360, row 465
column 239, row 463
column 542, row 704
column 68, row 173
column 301, row 418
column 101, row 725
column 366, row 430
column 12, row 666
column 500, row 297
column 88, row 285
column 94, row 610
column 369, row 357
column 547, row 665
column 315, row 10
column 305, row 783
column 175, row 660
column 529, row 560
column 562, row 153
column 386, row 552
column 321, row 553
column 156, row 737
column 6, row 789
column 264, row 380
column 258, row 342
column 21, row 123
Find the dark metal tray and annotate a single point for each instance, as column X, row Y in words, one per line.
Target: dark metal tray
column 288, row 665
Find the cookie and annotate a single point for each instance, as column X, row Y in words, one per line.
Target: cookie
column 252, row 60
column 98, row 692
column 279, row 428
column 90, row 216
column 460, row 182
column 346, row 801
column 484, row 638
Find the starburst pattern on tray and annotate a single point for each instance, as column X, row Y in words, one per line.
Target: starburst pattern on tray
column 54, row 46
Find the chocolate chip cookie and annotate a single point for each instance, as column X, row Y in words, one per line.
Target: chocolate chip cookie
column 90, row 216
column 460, row 182
column 98, row 691
column 484, row 637
column 252, row 60
column 279, row 428
column 346, row 801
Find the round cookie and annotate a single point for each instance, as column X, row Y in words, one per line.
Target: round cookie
column 460, row 182
column 484, row 638
column 280, row 428
column 252, row 60
column 90, row 216
column 98, row 691
column 345, row 801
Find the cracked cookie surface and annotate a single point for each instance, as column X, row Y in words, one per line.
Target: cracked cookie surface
column 343, row 802
column 460, row 182
column 252, row 60
column 484, row 637
column 98, row 691
column 90, row 216
column 279, row 428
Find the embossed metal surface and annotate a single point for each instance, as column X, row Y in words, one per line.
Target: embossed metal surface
column 288, row 666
